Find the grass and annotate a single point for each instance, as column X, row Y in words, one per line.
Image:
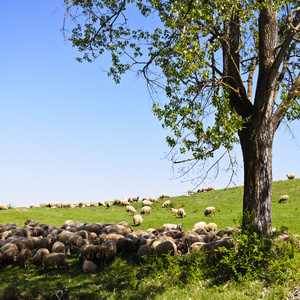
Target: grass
column 126, row 278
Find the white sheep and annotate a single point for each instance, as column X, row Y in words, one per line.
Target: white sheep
column 187, row 195
column 210, row 188
column 145, row 210
column 137, row 220
column 199, row 225
column 153, row 199
column 210, row 211
column 174, row 210
column 130, row 209
column 166, row 203
column 3, row 207
column 164, row 196
column 190, row 192
column 284, row 198
column 168, row 226
column 211, row 227
column 181, row 213
column 290, row 176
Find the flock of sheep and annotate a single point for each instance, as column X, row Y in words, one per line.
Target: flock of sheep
column 96, row 243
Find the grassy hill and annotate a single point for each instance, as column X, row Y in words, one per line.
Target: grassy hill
column 228, row 204
column 186, row 277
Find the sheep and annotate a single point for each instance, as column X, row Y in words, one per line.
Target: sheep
column 131, row 210
column 290, row 176
column 29, row 222
column 107, row 251
column 187, row 195
column 165, row 247
column 168, row 226
column 284, row 198
column 153, row 199
column 26, row 243
column 56, row 259
column 45, row 243
column 181, row 213
column 210, row 188
column 147, row 203
column 89, row 251
column 3, row 206
column 24, row 256
column 200, row 190
column 190, row 192
column 143, row 250
column 88, row 266
column 9, row 251
column 164, row 196
column 166, row 203
column 210, row 211
column 199, row 225
column 211, row 227
column 145, row 210
column 39, row 255
column 174, row 211
column 137, row 220
column 58, row 247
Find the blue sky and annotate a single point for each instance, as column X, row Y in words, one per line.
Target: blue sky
column 69, row 133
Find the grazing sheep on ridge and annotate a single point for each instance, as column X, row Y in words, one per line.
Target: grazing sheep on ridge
column 174, row 210
column 3, row 207
column 145, row 210
column 290, row 176
column 131, row 210
column 210, row 188
column 152, row 199
column 187, row 195
column 137, row 220
column 55, row 259
column 181, row 213
column 284, row 198
column 164, row 196
column 190, row 192
column 210, row 211
column 166, row 203
column 147, row 203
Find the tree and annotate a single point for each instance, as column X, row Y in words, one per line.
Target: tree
column 208, row 57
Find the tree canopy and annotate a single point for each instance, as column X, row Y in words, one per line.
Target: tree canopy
column 229, row 69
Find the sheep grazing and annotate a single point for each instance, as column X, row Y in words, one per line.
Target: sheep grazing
column 131, row 210
column 211, row 227
column 107, row 251
column 168, row 226
column 210, row 211
column 190, row 192
column 88, row 266
column 210, row 188
column 200, row 190
column 24, row 256
column 187, row 195
column 181, row 213
column 199, row 226
column 290, row 176
column 39, row 255
column 145, row 210
column 143, row 250
column 166, row 203
column 174, row 210
column 164, row 196
column 55, row 259
column 165, row 247
column 59, row 247
column 284, row 198
column 137, row 220
column 3, row 207
column 152, row 199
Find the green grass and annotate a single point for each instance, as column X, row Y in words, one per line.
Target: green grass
column 126, row 278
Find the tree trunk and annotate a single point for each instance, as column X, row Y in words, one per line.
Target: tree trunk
column 257, row 146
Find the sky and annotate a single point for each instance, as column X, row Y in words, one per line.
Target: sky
column 68, row 133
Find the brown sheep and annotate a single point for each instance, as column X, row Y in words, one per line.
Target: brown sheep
column 88, row 266
column 55, row 259
column 24, row 256
column 39, row 255
column 107, row 251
